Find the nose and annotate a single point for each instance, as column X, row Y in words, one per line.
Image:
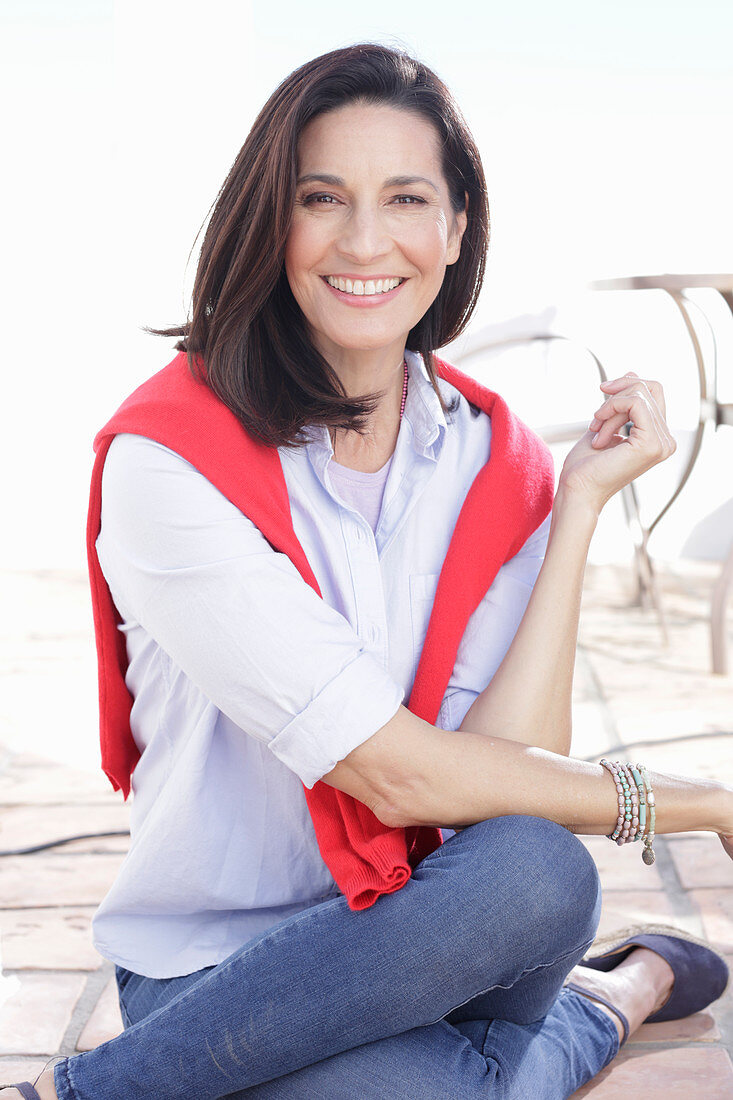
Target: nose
column 363, row 236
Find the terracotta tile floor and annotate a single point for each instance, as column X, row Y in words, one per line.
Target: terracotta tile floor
column 633, row 698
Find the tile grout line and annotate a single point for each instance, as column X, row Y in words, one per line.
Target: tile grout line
column 683, row 906
column 84, row 1007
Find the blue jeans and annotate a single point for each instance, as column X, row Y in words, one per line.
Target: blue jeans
column 448, row 989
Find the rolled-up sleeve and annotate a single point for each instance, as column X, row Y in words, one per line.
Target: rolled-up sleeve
column 233, row 614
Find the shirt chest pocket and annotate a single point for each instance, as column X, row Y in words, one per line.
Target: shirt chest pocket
column 422, row 594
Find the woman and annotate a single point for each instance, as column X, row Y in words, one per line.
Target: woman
column 287, row 923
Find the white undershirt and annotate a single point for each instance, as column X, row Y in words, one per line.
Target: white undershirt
column 362, row 489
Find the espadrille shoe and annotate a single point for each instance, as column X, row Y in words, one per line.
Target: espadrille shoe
column 701, row 975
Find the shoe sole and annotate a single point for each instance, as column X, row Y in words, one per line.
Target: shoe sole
column 612, row 942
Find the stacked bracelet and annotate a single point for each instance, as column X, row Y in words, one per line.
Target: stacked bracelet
column 631, row 822
column 636, row 772
column 648, row 854
column 628, row 820
column 635, row 797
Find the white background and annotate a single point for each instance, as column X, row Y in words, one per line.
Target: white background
column 605, row 132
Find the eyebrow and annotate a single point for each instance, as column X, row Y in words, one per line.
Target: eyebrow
column 393, row 181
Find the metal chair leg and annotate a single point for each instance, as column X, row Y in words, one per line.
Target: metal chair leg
column 648, row 593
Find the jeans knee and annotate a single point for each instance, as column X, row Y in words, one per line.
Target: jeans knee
column 557, row 891
column 564, row 877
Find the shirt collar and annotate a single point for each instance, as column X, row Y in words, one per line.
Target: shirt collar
column 423, row 409
column 423, row 413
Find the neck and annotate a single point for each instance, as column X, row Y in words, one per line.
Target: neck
column 368, row 451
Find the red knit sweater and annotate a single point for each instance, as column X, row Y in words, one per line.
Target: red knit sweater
column 509, row 498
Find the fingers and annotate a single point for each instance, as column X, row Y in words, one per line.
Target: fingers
column 629, row 405
column 614, row 385
column 607, row 426
column 634, row 402
column 633, row 398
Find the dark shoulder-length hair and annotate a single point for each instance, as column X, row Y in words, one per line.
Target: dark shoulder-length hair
column 247, row 337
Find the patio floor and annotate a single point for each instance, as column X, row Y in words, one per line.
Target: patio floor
column 633, row 698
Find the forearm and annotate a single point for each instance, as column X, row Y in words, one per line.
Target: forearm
column 529, row 698
column 465, row 777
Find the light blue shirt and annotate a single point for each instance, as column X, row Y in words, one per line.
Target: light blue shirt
column 248, row 685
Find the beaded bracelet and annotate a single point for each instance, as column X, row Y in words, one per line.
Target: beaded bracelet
column 626, row 826
column 636, row 772
column 628, row 819
column 635, row 796
column 621, row 801
column 648, row 854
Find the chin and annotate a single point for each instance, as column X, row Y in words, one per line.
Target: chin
column 360, row 341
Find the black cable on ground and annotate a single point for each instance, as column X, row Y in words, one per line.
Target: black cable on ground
column 63, row 840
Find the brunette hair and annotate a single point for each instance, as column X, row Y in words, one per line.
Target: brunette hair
column 247, row 337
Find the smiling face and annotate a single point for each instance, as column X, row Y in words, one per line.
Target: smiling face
column 373, row 228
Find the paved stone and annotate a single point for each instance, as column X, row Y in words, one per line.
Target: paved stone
column 707, row 756
column 48, row 939
column 20, row 1069
column 29, row 781
column 700, row 1028
column 61, row 879
column 701, row 861
column 105, row 1021
column 716, row 907
column 34, row 1019
column 623, row 909
column 622, row 868
column 684, row 1073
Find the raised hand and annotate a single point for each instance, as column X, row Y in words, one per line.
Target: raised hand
column 603, row 460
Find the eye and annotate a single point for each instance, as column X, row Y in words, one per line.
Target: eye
column 320, row 198
column 409, row 200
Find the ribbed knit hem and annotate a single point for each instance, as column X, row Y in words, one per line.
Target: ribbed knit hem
column 382, row 874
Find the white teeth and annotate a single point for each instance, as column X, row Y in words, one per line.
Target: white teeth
column 368, row 288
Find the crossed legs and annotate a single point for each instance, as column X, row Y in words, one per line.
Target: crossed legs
column 454, row 981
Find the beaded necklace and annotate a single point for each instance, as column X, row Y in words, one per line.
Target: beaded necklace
column 402, row 403
column 404, row 389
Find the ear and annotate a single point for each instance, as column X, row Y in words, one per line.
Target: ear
column 460, row 221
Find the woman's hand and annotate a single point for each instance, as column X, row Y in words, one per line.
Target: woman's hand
column 603, row 461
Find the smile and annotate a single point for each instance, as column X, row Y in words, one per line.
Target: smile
column 363, row 288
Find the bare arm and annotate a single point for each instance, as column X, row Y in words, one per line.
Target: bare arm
column 411, row 772
column 529, row 697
